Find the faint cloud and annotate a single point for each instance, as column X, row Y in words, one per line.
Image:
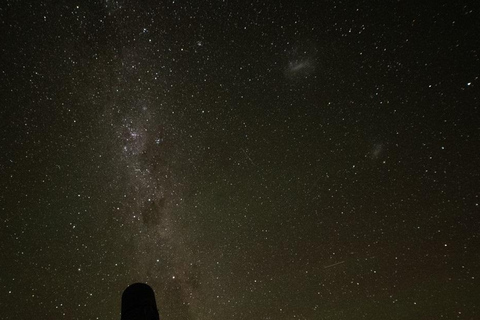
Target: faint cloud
column 301, row 60
column 376, row 151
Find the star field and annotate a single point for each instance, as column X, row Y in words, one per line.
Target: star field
column 247, row 160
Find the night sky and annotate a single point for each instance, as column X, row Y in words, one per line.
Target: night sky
column 248, row 160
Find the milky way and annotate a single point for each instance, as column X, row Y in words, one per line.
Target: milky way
column 146, row 157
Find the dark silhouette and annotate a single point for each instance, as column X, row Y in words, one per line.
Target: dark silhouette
column 138, row 303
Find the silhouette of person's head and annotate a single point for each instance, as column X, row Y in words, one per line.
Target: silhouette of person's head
column 138, row 302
